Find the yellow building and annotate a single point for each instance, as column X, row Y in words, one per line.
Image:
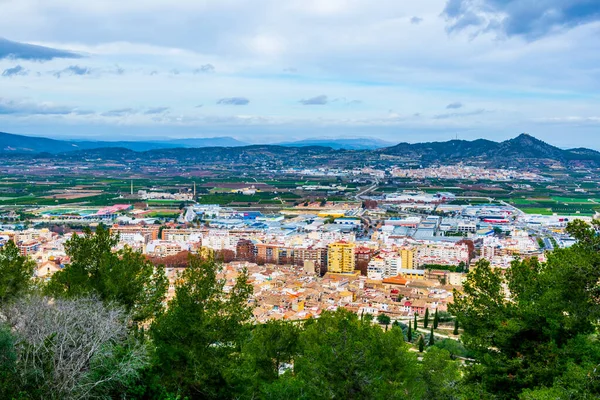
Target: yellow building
column 340, row 258
column 407, row 256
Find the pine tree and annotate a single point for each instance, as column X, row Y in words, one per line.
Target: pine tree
column 455, row 327
column 431, row 338
column 421, row 343
column 435, row 319
column 409, row 333
column 426, row 320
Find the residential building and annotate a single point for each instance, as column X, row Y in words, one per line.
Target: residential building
column 340, row 257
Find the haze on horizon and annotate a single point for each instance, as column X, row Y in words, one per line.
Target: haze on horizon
column 267, row 70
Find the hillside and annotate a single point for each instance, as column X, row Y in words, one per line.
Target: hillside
column 513, row 152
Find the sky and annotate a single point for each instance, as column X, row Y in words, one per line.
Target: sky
column 270, row 70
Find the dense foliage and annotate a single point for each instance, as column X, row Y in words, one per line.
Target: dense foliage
column 526, row 333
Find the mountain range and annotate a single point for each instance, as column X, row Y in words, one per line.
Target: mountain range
column 11, row 143
column 519, row 151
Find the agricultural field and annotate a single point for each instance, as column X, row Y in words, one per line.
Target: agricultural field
column 557, row 205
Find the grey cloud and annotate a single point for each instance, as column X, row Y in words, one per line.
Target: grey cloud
column 199, row 106
column 416, row 20
column 234, row 101
column 24, row 108
column 16, row 70
column 454, row 106
column 24, row 51
column 530, row 19
column 119, row 112
column 459, row 114
column 156, row 110
column 315, row 101
column 174, row 72
column 73, row 70
column 206, row 68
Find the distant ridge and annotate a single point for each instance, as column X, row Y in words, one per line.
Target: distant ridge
column 347, row 144
column 11, row 143
column 512, row 151
column 523, row 150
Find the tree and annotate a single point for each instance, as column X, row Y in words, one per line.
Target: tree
column 421, row 343
column 534, row 335
column 416, row 322
column 126, row 277
column 435, row 319
column 72, row 348
column 201, row 333
column 455, row 331
column 426, row 319
column 409, row 333
column 384, row 319
column 16, row 272
column 441, row 375
column 344, row 358
column 270, row 349
column 431, row 338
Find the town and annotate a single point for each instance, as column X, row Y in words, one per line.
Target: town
column 397, row 253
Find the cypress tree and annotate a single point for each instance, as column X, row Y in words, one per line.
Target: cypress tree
column 426, row 320
column 435, row 319
column 415, row 322
column 409, row 333
column 431, row 338
column 455, row 327
column 421, row 343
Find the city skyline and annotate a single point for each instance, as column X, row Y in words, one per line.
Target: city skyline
column 266, row 71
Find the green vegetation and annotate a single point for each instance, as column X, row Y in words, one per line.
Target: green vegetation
column 124, row 277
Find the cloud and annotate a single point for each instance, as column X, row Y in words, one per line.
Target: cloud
column 16, row 70
column 416, row 20
column 73, row 70
column 346, row 102
column 234, row 101
column 315, row 101
column 569, row 120
column 24, row 51
column 454, row 106
column 156, row 110
column 174, row 72
column 206, row 68
column 120, row 112
column 530, row 19
column 459, row 114
column 25, row 108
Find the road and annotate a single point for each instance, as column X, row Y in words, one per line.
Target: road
column 358, row 197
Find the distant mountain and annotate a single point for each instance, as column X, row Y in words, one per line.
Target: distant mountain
column 346, row 144
column 222, row 141
column 522, row 151
column 244, row 155
column 513, row 152
column 11, row 143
